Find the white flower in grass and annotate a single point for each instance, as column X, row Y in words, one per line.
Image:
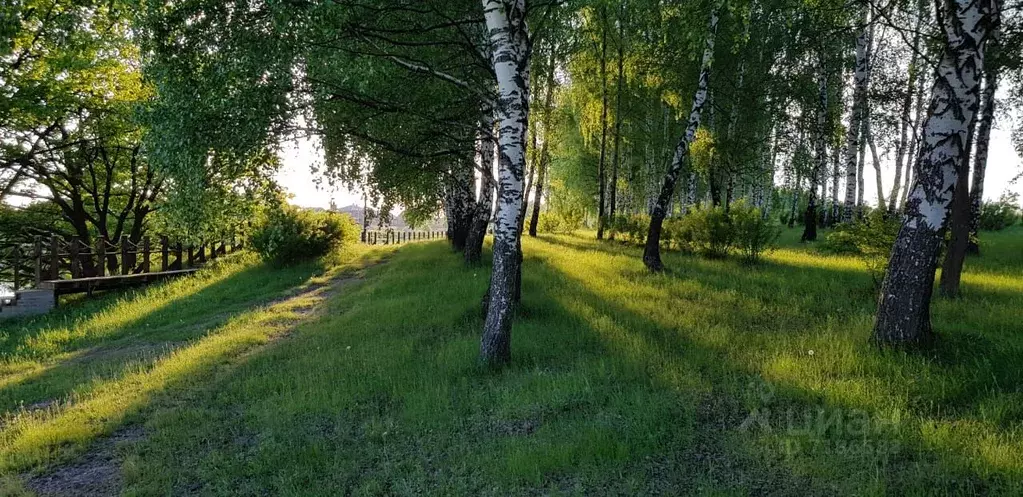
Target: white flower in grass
column 810, row 352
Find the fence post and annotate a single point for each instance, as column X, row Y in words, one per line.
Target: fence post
column 124, row 256
column 164, row 254
column 73, row 257
column 145, row 255
column 178, row 251
column 39, row 260
column 54, row 257
column 17, row 268
column 213, row 251
column 202, row 253
column 101, row 256
column 191, row 256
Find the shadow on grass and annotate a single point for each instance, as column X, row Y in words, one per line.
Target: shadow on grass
column 74, row 349
column 966, row 375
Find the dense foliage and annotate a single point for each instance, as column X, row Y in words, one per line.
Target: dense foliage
column 709, row 231
column 870, row 237
column 996, row 216
column 290, row 235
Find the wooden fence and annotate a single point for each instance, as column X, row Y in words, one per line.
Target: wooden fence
column 390, row 237
column 57, row 258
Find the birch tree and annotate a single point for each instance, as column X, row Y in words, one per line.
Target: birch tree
column 652, row 250
column 852, row 140
column 509, row 38
column 903, row 315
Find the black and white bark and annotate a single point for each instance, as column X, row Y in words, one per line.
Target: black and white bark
column 903, row 315
column 483, row 208
column 859, row 106
column 652, row 250
column 509, row 37
column 459, row 202
column 987, row 117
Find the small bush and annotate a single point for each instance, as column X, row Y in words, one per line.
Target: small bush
column 871, row 238
column 631, row 228
column 996, row 216
column 559, row 222
column 706, row 231
column 290, row 235
column 752, row 234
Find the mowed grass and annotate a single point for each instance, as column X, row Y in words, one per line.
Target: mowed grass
column 713, row 378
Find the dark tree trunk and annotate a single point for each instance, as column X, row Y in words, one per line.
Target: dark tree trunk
column 473, row 251
column 903, row 314
column 612, row 211
column 602, row 164
column 987, row 118
column 459, row 204
column 955, row 254
column 541, row 173
column 820, row 152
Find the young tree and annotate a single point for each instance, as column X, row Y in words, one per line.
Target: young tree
column 903, row 315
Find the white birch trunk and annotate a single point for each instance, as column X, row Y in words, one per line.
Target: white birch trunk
column 852, row 137
column 509, row 37
column 652, row 251
column 903, row 315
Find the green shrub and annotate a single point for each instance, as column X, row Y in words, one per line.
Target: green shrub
column 559, row 222
column 996, row 216
column 871, row 238
column 631, row 228
column 706, row 231
column 289, row 235
column 752, row 233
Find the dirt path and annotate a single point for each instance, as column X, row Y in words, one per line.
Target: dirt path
column 97, row 472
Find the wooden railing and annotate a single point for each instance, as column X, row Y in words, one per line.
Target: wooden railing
column 390, row 237
column 57, row 258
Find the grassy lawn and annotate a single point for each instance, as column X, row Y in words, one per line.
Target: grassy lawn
column 715, row 378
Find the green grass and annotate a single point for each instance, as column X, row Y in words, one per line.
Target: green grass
column 715, row 378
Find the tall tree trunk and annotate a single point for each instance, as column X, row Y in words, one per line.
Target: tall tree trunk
column 906, row 118
column 485, row 199
column 877, row 165
column 459, row 204
column 821, row 158
column 618, row 120
column 903, row 314
column 852, row 137
column 545, row 124
column 958, row 242
column 509, row 36
column 987, row 118
column 652, row 250
column 602, row 164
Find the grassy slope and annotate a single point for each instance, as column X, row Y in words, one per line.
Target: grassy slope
column 716, row 378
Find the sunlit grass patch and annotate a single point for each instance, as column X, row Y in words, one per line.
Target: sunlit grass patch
column 715, row 377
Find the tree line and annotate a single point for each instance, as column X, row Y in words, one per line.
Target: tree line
column 490, row 110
